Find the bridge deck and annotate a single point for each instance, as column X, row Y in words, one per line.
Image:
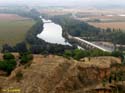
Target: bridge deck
column 91, row 44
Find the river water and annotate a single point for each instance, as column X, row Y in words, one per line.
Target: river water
column 52, row 33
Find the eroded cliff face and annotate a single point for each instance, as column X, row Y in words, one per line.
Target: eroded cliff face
column 54, row 74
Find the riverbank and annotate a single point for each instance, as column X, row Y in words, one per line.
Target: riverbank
column 38, row 45
column 52, row 33
column 35, row 45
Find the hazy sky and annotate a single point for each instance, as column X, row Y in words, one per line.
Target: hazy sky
column 66, row 2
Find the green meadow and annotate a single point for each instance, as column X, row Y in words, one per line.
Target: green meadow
column 14, row 31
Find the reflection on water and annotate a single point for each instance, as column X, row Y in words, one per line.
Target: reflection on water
column 52, row 33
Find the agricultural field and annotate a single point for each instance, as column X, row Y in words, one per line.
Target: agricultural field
column 109, row 18
column 106, row 21
column 113, row 25
column 13, row 28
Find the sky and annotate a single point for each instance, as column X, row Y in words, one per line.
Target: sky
column 66, row 2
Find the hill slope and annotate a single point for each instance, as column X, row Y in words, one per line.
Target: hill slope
column 54, row 74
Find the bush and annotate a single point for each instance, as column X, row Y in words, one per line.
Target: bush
column 118, row 54
column 7, row 65
column 8, row 56
column 68, row 54
column 78, row 54
column 25, row 58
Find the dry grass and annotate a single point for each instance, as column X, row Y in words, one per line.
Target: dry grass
column 54, row 74
column 115, row 25
column 11, row 17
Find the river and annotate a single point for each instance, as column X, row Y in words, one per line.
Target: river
column 52, row 33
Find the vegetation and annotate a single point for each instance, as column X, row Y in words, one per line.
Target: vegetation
column 25, row 57
column 72, row 26
column 17, row 29
column 78, row 54
column 22, row 12
column 31, row 37
column 75, row 27
column 35, row 45
column 19, row 47
column 88, row 32
column 114, row 36
column 8, row 64
column 116, row 78
column 40, row 46
column 8, row 56
column 14, row 31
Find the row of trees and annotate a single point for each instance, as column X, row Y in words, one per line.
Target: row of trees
column 75, row 27
column 35, row 45
column 22, row 12
column 88, row 32
column 32, row 42
column 20, row 47
column 40, row 46
column 78, row 54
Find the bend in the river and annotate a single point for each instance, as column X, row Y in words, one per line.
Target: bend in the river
column 52, row 33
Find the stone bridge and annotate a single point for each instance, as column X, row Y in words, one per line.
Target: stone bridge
column 86, row 44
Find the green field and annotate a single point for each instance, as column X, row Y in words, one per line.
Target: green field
column 14, row 31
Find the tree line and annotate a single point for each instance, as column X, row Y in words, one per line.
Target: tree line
column 35, row 45
column 40, row 46
column 33, row 13
column 79, row 54
column 81, row 29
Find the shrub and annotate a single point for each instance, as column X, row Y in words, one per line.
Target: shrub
column 7, row 65
column 68, row 54
column 8, row 56
column 25, row 58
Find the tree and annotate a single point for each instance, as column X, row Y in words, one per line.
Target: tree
column 7, row 48
column 21, row 47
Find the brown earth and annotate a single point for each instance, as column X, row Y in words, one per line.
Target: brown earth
column 112, row 25
column 11, row 17
column 55, row 74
